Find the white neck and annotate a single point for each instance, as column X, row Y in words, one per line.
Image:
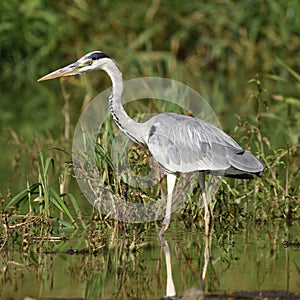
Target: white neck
column 130, row 127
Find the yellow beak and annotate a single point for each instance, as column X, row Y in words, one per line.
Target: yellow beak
column 69, row 70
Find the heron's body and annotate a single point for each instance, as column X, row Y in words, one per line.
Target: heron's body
column 185, row 144
column 178, row 143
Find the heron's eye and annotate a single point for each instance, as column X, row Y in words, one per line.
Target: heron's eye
column 90, row 62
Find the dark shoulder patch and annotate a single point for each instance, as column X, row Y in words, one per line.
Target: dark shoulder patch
column 152, row 131
column 98, row 55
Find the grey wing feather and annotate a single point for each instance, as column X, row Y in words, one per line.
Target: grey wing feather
column 185, row 144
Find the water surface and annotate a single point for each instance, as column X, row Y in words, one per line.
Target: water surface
column 249, row 260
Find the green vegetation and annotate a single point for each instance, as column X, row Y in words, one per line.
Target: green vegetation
column 241, row 56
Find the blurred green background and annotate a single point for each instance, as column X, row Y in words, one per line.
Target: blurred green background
column 215, row 47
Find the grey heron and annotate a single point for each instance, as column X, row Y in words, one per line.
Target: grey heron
column 177, row 142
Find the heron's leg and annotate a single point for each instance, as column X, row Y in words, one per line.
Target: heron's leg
column 206, row 207
column 171, row 179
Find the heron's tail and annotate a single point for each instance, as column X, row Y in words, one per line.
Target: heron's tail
column 243, row 165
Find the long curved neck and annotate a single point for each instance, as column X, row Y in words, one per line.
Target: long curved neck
column 121, row 118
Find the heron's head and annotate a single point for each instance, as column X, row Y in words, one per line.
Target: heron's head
column 95, row 60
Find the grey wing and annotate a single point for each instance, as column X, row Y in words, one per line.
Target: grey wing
column 185, row 144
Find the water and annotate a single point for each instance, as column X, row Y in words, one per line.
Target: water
column 249, row 260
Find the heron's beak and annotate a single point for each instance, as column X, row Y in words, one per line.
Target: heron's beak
column 69, row 70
